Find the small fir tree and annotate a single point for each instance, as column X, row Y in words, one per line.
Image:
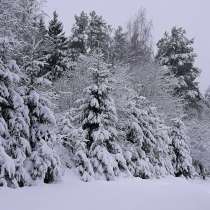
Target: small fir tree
column 57, row 56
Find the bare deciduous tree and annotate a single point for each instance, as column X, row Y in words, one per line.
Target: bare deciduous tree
column 139, row 38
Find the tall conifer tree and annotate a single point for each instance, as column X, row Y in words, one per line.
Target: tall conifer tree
column 176, row 52
column 57, row 56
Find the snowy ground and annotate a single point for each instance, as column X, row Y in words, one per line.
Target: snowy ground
column 124, row 194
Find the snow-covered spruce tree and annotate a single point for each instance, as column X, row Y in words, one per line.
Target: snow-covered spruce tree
column 44, row 164
column 180, row 151
column 57, row 56
column 14, row 129
column 176, row 52
column 98, row 118
column 78, row 40
column 73, row 139
column 147, row 141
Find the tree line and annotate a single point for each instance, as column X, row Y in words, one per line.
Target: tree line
column 100, row 101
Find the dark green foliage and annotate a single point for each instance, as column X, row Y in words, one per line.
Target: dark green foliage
column 89, row 33
column 57, row 56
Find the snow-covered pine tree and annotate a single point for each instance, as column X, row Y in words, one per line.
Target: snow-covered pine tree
column 98, row 118
column 180, row 151
column 57, row 56
column 176, row 52
column 78, row 40
column 14, row 129
column 147, row 141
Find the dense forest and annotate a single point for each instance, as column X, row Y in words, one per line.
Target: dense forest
column 102, row 101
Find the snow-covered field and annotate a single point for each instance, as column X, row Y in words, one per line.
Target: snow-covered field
column 124, row 194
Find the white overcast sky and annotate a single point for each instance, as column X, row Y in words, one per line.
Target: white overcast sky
column 193, row 15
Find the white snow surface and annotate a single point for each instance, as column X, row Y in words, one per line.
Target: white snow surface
column 123, row 194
